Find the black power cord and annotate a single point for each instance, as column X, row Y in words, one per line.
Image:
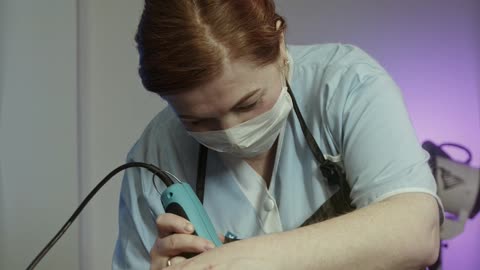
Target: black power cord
column 155, row 170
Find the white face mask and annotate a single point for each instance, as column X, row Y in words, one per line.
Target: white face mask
column 253, row 137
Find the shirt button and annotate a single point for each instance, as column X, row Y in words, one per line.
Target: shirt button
column 269, row 205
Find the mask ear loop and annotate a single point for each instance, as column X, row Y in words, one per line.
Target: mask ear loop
column 284, row 69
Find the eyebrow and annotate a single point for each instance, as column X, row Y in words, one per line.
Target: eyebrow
column 242, row 100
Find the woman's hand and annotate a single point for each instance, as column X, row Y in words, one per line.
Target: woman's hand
column 206, row 262
column 239, row 255
column 174, row 238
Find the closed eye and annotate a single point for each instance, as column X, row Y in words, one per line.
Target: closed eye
column 247, row 107
column 251, row 106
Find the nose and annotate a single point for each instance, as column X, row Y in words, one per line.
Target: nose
column 227, row 121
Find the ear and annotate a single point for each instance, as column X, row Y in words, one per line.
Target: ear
column 283, row 49
column 279, row 23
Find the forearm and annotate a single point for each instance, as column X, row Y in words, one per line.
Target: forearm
column 398, row 233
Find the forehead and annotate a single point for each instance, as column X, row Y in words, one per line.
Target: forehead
column 237, row 79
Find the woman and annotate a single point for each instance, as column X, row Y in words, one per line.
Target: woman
column 304, row 152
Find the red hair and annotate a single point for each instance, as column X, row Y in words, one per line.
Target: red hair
column 184, row 44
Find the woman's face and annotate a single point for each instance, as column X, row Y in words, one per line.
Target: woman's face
column 242, row 92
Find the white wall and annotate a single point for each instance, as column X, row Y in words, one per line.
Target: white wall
column 3, row 239
column 38, row 158
column 114, row 110
column 70, row 116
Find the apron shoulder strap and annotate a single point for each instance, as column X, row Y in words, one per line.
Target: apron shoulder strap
column 327, row 167
column 201, row 172
column 340, row 202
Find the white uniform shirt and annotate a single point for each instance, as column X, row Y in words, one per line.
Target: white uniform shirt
column 356, row 114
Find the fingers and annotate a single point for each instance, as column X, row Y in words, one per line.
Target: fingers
column 169, row 223
column 182, row 243
column 158, row 263
column 164, row 262
column 176, row 260
column 175, row 242
column 170, row 247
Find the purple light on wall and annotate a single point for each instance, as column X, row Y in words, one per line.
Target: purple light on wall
column 432, row 50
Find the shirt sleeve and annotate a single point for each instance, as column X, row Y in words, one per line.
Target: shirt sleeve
column 381, row 153
column 137, row 230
